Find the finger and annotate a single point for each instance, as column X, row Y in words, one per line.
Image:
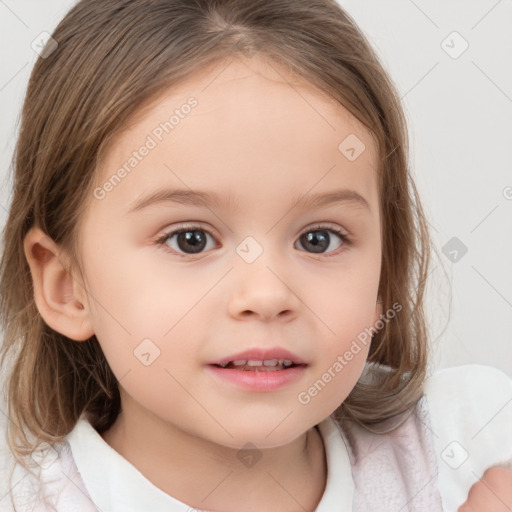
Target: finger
column 492, row 493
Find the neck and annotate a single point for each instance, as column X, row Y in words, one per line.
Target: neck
column 209, row 476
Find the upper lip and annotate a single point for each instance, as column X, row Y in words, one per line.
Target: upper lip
column 261, row 354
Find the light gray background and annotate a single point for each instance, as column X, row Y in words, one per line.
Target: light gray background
column 459, row 109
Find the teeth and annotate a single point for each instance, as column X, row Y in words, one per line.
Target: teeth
column 269, row 362
column 255, row 362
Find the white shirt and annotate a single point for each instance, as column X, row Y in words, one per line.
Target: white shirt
column 462, row 426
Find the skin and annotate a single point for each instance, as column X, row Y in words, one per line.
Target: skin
column 262, row 138
column 492, row 493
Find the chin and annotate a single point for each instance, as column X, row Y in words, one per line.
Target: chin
column 261, row 436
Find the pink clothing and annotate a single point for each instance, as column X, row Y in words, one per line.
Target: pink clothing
column 459, row 428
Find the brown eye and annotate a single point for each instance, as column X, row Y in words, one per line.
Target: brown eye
column 188, row 241
column 193, row 240
column 320, row 239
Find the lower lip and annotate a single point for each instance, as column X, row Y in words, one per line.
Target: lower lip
column 259, row 380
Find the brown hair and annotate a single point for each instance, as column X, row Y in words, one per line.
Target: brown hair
column 113, row 57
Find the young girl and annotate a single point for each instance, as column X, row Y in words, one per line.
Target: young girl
column 213, row 277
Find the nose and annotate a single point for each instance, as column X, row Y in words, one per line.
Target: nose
column 261, row 290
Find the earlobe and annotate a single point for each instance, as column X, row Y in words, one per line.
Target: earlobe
column 59, row 297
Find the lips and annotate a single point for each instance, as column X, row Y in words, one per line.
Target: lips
column 258, row 370
column 260, row 359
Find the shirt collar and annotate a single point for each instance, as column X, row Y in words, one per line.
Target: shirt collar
column 113, row 483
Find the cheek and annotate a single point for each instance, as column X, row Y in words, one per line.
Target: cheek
column 336, row 374
column 129, row 291
column 345, row 303
column 142, row 314
column 346, row 306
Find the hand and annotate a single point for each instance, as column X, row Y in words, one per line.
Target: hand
column 493, row 493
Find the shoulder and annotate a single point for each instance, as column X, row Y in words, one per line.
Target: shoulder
column 55, row 483
column 470, row 410
column 18, row 487
column 478, row 378
column 473, row 396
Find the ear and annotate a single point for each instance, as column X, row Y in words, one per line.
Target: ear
column 59, row 297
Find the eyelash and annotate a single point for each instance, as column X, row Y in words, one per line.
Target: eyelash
column 161, row 241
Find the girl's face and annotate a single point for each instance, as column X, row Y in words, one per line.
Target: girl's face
column 252, row 270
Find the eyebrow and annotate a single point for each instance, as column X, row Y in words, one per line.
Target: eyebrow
column 209, row 199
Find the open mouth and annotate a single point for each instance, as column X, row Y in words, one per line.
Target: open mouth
column 260, row 376
column 268, row 365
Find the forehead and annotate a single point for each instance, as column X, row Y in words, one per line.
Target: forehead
column 239, row 122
